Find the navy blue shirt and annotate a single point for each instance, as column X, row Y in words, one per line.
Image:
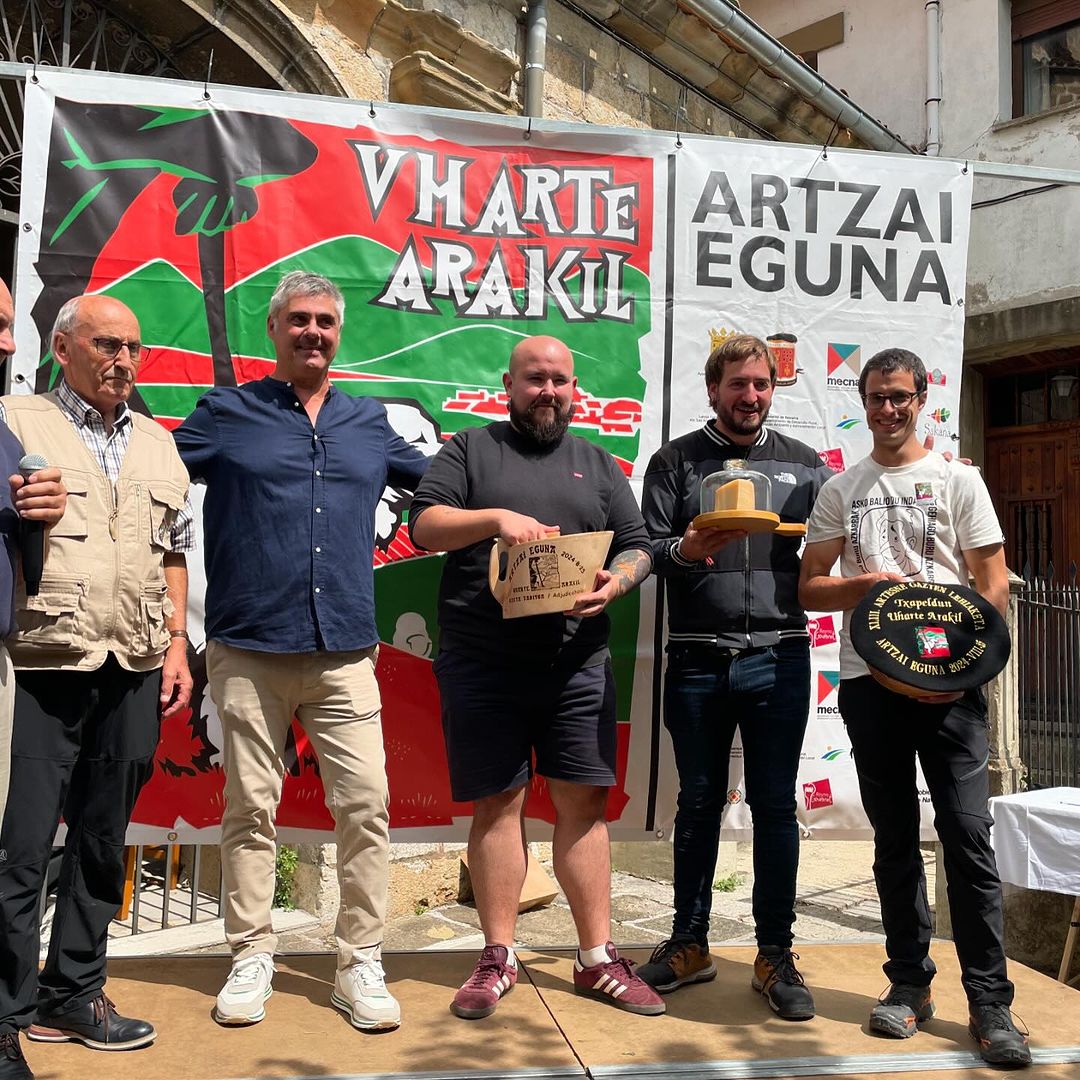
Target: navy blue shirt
column 289, row 514
column 10, row 452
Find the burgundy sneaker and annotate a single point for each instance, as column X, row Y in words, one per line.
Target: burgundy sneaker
column 491, row 978
column 616, row 983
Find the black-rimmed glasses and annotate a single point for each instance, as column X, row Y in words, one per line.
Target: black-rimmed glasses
column 899, row 399
column 110, row 347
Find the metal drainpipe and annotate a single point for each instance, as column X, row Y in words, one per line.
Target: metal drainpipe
column 535, row 50
column 778, row 61
column 933, row 78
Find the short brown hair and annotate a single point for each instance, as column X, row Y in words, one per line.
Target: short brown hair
column 735, row 349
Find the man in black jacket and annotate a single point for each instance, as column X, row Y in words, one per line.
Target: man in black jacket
column 738, row 656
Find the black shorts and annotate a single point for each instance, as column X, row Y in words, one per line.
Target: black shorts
column 495, row 718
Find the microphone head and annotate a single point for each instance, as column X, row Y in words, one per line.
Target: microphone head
column 30, row 463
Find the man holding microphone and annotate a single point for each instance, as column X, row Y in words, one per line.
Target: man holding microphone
column 101, row 656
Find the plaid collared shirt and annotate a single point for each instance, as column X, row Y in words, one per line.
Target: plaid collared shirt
column 108, row 451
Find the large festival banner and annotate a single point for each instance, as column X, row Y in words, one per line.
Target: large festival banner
column 453, row 236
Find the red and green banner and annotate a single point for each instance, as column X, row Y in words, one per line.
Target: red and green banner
column 452, row 237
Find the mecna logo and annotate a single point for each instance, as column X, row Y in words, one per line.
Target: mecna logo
column 843, row 362
column 848, row 422
column 827, row 682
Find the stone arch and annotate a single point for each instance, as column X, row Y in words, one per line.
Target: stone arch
column 262, row 30
column 254, row 44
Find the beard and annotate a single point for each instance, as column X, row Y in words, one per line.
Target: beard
column 739, row 422
column 543, row 432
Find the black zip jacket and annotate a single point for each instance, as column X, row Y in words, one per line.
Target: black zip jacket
column 749, row 596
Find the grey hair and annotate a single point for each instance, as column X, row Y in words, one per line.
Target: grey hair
column 304, row 283
column 66, row 318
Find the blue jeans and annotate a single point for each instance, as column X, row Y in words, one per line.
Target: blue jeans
column 765, row 693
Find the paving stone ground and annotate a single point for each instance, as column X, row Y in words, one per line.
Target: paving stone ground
column 836, row 901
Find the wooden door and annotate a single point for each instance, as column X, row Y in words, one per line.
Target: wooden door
column 1034, row 478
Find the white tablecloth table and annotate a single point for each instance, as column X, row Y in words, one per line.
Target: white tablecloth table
column 1036, row 840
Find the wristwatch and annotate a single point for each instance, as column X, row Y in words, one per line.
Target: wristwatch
column 179, row 633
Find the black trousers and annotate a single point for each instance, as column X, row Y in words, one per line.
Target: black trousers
column 886, row 731
column 82, row 745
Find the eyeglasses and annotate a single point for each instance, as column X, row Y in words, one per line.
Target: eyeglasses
column 110, row 347
column 899, row 399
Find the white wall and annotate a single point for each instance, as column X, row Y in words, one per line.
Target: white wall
column 1022, row 252
column 881, row 63
column 1026, row 251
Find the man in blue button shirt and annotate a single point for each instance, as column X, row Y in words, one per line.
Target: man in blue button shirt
column 294, row 470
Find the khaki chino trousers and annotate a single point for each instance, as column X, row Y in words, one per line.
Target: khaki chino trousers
column 336, row 699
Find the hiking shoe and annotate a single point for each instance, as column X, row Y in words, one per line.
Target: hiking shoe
column 901, row 1010
column 491, row 978
column 616, row 983
column 12, row 1063
column 675, row 963
column 1000, row 1041
column 360, row 990
column 243, row 997
column 778, row 980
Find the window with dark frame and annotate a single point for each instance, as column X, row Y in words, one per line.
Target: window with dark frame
column 1036, row 397
column 1045, row 55
column 807, row 42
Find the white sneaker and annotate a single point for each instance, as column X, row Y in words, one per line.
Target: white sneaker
column 360, row 990
column 242, row 998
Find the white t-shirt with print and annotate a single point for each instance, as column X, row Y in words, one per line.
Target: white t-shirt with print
column 915, row 520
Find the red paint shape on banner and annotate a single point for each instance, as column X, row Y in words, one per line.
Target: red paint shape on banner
column 541, row 808
column 185, row 788
column 401, row 547
column 328, row 200
column 335, row 180
column 817, row 794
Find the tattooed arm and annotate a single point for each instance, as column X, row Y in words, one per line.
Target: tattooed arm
column 628, row 570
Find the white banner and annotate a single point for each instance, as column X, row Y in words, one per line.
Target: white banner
column 453, row 235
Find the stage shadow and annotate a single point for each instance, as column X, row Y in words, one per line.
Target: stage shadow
column 726, row 1019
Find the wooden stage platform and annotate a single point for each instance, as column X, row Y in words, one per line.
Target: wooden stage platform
column 542, row 1030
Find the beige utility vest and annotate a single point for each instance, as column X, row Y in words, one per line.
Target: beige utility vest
column 103, row 585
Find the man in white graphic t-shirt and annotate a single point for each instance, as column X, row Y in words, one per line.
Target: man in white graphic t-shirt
column 906, row 514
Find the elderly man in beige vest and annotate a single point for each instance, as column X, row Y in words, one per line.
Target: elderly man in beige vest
column 100, row 657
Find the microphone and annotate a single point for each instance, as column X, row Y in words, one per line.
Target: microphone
column 32, row 533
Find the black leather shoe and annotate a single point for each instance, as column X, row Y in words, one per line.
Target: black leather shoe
column 12, row 1063
column 96, row 1024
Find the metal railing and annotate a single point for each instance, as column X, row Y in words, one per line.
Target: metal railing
column 166, row 890
column 163, row 900
column 1048, row 670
